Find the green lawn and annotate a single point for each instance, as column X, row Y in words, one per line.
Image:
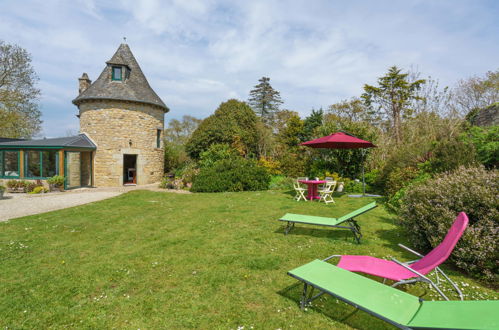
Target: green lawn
column 159, row 260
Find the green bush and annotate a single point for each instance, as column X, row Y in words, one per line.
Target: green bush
column 56, row 180
column 215, row 153
column 279, row 182
column 38, row 190
column 399, row 178
column 2, row 188
column 231, row 175
column 449, row 154
column 429, row 208
column 486, row 144
column 353, row 186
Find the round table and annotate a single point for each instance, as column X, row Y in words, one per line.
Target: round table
column 312, row 188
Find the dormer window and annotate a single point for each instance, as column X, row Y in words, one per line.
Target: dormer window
column 117, row 73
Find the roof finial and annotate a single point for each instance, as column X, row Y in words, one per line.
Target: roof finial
column 124, row 39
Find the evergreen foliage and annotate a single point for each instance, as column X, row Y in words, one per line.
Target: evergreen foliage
column 265, row 100
column 392, row 97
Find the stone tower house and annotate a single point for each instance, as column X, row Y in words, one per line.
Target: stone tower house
column 124, row 117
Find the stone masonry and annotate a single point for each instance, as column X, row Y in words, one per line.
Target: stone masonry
column 119, row 128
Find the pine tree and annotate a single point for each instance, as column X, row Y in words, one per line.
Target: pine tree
column 265, row 100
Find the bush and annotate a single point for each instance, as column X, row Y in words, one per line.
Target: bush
column 2, row 188
column 279, row 182
column 447, row 155
column 215, row 153
column 231, row 175
column 429, row 208
column 486, row 144
column 30, row 186
column 38, row 190
column 56, row 180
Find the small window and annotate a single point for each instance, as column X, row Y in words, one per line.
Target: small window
column 158, row 138
column 117, row 73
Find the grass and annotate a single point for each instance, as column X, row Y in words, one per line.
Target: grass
column 159, row 260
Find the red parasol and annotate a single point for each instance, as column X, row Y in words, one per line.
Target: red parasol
column 342, row 140
column 339, row 140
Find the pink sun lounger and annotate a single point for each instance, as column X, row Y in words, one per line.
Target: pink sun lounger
column 413, row 271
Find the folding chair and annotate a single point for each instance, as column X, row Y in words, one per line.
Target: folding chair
column 300, row 191
column 412, row 271
column 396, row 307
column 326, row 193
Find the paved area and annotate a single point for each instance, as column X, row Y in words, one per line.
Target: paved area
column 19, row 205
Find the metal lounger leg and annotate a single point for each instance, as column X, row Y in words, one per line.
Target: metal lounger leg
column 355, row 228
column 303, row 301
column 451, row 282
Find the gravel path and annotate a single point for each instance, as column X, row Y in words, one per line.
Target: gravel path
column 20, row 205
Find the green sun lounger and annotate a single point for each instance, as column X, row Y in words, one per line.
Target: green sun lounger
column 396, row 307
column 349, row 218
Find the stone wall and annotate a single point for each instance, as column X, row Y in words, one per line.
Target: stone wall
column 119, row 128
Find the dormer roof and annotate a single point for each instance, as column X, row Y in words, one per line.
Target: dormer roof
column 134, row 87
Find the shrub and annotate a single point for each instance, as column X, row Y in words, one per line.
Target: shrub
column 270, row 164
column 279, row 182
column 486, row 144
column 399, row 178
column 429, row 208
column 2, row 188
column 231, row 175
column 215, row 153
column 29, row 186
column 447, row 155
column 14, row 184
column 38, row 190
column 56, row 180
column 353, row 186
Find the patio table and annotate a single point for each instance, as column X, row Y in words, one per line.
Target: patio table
column 312, row 188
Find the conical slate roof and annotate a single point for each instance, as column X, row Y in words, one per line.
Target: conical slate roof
column 133, row 88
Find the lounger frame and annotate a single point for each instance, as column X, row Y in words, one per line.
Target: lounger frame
column 354, row 226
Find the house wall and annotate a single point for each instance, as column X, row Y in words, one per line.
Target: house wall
column 120, row 128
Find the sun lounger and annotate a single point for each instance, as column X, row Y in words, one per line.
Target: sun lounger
column 413, row 271
column 349, row 219
column 396, row 307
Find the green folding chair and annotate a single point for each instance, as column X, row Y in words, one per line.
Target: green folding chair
column 349, row 219
column 396, row 307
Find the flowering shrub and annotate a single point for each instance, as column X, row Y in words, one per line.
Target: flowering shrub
column 429, row 208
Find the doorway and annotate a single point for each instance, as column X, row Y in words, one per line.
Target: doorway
column 129, row 169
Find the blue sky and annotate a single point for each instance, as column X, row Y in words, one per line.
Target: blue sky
column 199, row 53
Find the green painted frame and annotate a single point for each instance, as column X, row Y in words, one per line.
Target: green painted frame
column 2, row 155
column 113, row 77
column 26, row 152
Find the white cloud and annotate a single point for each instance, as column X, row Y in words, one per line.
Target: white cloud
column 196, row 54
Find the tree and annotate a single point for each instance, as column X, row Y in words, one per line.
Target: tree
column 311, row 122
column 176, row 136
column 19, row 112
column 233, row 123
column 291, row 134
column 476, row 93
column 392, row 97
column 265, row 100
column 354, row 110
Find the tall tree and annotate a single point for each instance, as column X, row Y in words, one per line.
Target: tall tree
column 392, row 97
column 19, row 112
column 265, row 100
